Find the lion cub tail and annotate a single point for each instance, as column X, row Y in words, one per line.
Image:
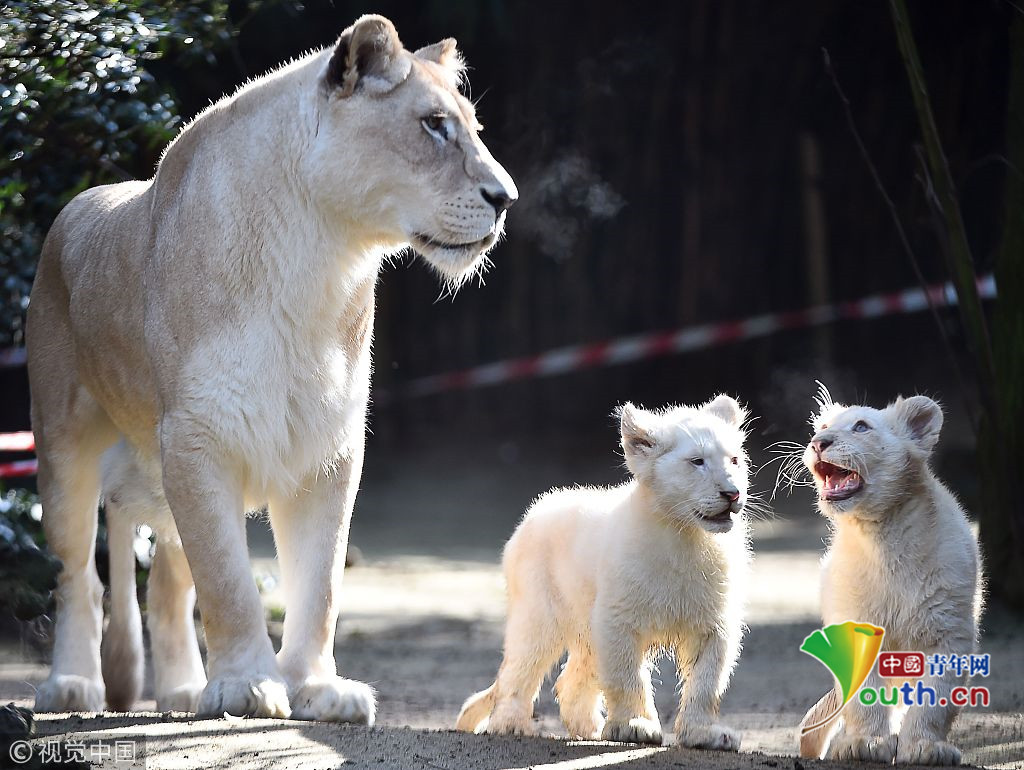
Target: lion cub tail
column 476, row 710
column 814, row 743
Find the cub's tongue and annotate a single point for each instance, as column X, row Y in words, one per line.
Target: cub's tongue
column 840, row 483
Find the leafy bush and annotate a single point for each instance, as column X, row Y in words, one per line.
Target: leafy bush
column 28, row 572
column 79, row 107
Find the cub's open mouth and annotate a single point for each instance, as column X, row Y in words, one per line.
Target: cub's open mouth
column 838, row 483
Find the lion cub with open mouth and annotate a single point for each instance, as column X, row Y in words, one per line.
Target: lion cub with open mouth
column 903, row 557
column 616, row 575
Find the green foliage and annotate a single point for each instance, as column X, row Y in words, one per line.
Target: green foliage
column 28, row 572
column 80, row 107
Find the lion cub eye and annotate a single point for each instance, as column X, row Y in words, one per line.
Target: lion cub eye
column 861, row 427
column 437, row 126
column 697, row 460
column 734, row 460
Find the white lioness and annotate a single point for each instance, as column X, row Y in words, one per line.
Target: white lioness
column 218, row 319
column 615, row 575
column 903, row 557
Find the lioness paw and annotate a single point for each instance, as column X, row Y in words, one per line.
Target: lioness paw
column 713, row 737
column 925, row 752
column 244, row 697
column 67, row 692
column 636, row 730
column 334, row 699
column 864, row 748
column 184, row 698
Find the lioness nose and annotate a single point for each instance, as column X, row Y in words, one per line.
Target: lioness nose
column 499, row 198
column 732, row 495
column 819, row 445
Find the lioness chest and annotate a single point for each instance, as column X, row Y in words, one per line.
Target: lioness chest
column 285, row 401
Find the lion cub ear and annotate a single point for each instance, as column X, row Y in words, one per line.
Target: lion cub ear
column 368, row 55
column 920, row 418
column 727, row 409
column 634, row 425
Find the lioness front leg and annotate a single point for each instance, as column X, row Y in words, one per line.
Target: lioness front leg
column 311, row 532
column 706, row 667
column 625, row 679
column 206, row 500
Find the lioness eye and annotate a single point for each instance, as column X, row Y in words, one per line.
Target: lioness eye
column 861, row 427
column 697, row 460
column 436, row 125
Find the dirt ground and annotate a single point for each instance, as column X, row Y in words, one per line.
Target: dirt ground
column 422, row 622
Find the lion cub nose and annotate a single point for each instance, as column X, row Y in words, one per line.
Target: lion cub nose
column 500, row 199
column 819, row 445
column 732, row 495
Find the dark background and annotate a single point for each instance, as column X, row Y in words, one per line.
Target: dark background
column 660, row 149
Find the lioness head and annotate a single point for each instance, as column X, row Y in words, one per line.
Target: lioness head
column 864, row 461
column 398, row 143
column 691, row 459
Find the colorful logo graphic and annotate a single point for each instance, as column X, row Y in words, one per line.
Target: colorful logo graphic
column 849, row 651
column 901, row 665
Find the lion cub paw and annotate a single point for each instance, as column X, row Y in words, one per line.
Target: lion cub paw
column 511, row 717
column 334, row 699
column 924, row 752
column 243, row 697
column 70, row 693
column 864, row 748
column 184, row 698
column 636, row 730
column 713, row 737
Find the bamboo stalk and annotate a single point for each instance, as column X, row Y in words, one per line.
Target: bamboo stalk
column 961, row 263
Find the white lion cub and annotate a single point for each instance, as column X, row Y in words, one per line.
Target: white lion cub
column 615, row 575
column 903, row 557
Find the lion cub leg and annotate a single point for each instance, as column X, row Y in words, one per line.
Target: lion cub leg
column 866, row 734
column 205, row 496
column 706, row 666
column 311, row 532
column 924, row 730
column 579, row 697
column 532, row 646
column 178, row 673
column 625, row 678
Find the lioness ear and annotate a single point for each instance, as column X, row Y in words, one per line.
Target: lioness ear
column 726, row 408
column 637, row 438
column 920, row 417
column 445, row 53
column 368, row 55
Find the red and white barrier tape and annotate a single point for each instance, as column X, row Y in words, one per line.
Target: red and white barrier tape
column 654, row 345
column 22, row 441
column 19, row 469
column 617, row 351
